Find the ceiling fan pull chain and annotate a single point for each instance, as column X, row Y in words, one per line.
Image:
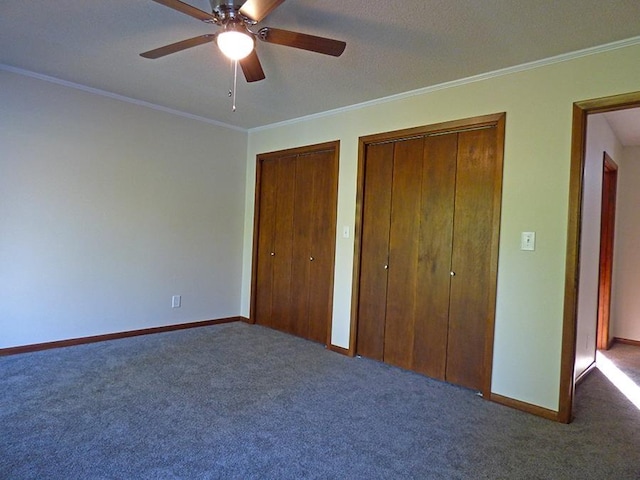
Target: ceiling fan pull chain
column 235, row 83
column 230, row 78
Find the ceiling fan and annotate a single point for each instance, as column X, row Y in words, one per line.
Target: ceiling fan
column 237, row 40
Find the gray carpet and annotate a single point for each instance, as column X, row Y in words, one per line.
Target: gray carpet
column 239, row 402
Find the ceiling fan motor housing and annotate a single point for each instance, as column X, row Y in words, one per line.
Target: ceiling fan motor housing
column 228, row 12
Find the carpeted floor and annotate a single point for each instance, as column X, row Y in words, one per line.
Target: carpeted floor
column 244, row 402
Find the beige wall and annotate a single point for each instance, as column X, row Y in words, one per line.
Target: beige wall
column 108, row 209
column 625, row 308
column 538, row 103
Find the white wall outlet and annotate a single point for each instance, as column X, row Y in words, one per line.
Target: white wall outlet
column 528, row 241
column 176, row 301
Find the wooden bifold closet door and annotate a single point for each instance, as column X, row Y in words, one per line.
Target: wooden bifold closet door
column 428, row 250
column 294, row 240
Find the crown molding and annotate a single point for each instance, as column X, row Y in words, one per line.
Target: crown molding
column 115, row 96
column 400, row 96
column 456, row 83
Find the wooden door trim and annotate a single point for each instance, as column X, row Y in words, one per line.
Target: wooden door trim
column 607, row 229
column 304, row 150
column 333, row 146
column 495, row 241
column 497, row 120
column 453, row 126
column 357, row 248
column 581, row 110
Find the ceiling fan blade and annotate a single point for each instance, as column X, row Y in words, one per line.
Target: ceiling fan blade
column 312, row 43
column 258, row 9
column 251, row 67
column 178, row 46
column 188, row 9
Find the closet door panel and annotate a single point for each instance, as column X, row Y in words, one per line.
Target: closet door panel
column 376, row 215
column 301, row 247
column 266, row 241
column 470, row 303
column 434, row 261
column 403, row 252
column 281, row 297
column 323, row 239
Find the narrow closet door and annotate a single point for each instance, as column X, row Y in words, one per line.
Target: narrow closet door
column 322, row 234
column 474, row 252
column 284, row 177
column 294, row 240
column 434, row 260
column 376, row 215
column 402, row 290
column 266, row 241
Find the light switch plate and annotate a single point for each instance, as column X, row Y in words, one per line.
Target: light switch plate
column 176, row 301
column 528, row 241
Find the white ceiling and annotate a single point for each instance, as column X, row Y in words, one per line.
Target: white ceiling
column 392, row 47
column 626, row 125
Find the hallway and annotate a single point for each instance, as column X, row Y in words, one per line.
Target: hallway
column 610, row 394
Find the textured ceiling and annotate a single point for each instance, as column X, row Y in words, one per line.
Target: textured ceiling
column 626, row 125
column 392, row 47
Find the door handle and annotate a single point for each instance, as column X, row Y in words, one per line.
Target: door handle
column 311, row 259
column 386, row 267
column 273, row 254
column 453, row 274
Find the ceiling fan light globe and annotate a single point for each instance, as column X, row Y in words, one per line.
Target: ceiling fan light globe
column 235, row 45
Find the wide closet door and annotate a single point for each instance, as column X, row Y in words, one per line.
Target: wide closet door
column 294, row 242
column 428, row 251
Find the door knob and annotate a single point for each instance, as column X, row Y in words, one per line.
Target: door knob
column 453, row 274
column 386, row 267
column 311, row 259
column 273, row 254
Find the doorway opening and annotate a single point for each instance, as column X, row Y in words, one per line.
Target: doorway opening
column 581, row 112
column 607, row 229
